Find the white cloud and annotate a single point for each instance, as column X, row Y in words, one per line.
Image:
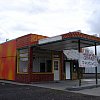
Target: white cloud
column 46, row 17
column 94, row 19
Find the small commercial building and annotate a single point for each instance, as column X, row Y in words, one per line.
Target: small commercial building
column 34, row 58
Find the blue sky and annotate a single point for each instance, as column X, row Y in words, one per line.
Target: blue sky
column 48, row 17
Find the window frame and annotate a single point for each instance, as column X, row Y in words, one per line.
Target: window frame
column 18, row 60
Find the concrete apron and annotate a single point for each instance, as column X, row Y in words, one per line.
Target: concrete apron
column 72, row 85
column 87, row 87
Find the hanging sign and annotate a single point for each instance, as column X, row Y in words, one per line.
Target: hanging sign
column 71, row 54
column 88, row 60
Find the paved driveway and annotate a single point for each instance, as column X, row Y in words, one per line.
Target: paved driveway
column 22, row 92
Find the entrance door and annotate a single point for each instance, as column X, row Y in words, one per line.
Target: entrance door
column 67, row 68
column 56, row 69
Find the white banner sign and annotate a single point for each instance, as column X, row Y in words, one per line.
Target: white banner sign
column 88, row 60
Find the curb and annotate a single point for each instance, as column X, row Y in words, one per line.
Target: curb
column 82, row 87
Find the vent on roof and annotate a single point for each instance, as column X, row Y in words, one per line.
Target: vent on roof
column 78, row 31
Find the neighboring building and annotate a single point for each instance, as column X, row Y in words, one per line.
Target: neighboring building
column 33, row 57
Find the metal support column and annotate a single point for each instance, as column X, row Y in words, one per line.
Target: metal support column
column 79, row 71
column 96, row 74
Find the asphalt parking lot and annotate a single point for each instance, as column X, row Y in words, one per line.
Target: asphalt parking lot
column 23, row 92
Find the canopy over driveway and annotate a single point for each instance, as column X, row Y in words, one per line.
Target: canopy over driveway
column 71, row 40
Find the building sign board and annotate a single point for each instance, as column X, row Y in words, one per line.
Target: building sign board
column 88, row 60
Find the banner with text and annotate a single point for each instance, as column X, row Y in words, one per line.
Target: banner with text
column 88, row 60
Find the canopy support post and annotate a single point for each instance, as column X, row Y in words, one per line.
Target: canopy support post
column 79, row 71
column 96, row 74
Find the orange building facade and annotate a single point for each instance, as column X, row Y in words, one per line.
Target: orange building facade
column 33, row 57
column 8, row 60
